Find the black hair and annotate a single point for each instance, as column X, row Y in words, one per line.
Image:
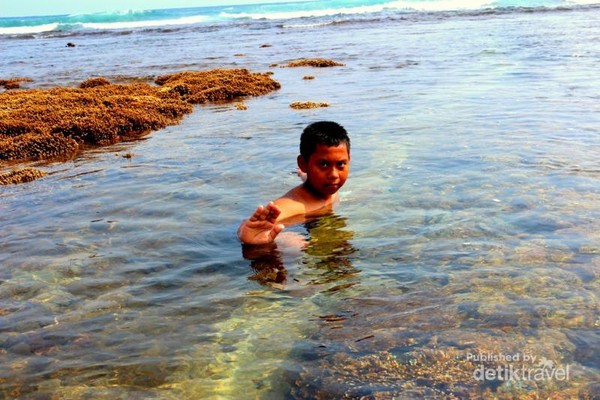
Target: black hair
column 323, row 132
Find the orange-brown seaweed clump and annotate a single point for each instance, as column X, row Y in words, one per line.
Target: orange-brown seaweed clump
column 299, row 105
column 52, row 124
column 93, row 82
column 14, row 83
column 315, row 62
column 217, row 85
column 21, row 176
column 57, row 123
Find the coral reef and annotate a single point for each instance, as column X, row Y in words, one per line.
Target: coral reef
column 55, row 124
column 299, row 105
column 21, row 176
column 314, row 62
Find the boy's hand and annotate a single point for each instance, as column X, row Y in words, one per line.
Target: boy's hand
column 261, row 227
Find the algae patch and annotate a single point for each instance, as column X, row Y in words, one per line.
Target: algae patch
column 314, row 62
column 55, row 124
column 304, row 105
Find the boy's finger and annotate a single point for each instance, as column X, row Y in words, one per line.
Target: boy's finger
column 276, row 231
column 257, row 213
column 273, row 209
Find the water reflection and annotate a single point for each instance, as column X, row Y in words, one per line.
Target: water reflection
column 323, row 250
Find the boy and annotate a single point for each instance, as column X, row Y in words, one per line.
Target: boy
column 324, row 163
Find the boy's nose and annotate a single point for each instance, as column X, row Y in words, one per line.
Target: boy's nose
column 333, row 174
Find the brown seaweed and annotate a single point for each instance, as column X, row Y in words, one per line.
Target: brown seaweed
column 14, row 83
column 300, row 105
column 21, row 176
column 217, row 85
column 314, row 62
column 93, row 82
column 55, row 124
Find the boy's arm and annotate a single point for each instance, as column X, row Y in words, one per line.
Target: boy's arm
column 262, row 226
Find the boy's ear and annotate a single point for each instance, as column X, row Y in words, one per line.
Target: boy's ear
column 301, row 163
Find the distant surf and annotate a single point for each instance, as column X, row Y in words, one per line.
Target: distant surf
column 333, row 11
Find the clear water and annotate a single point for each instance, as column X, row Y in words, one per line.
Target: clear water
column 469, row 224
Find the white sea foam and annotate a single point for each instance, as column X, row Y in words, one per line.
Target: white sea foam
column 145, row 24
column 23, row 30
column 306, row 13
column 444, row 5
column 313, row 25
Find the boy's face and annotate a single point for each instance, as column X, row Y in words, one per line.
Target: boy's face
column 327, row 168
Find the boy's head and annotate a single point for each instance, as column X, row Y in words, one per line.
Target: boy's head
column 324, row 157
column 328, row 133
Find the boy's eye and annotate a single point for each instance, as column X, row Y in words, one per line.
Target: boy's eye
column 324, row 164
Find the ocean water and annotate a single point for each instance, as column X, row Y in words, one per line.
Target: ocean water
column 465, row 247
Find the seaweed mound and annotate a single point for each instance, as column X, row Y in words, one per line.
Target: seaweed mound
column 14, row 83
column 217, row 85
column 299, row 105
column 56, row 123
column 21, row 176
column 314, row 62
column 53, row 124
column 93, row 82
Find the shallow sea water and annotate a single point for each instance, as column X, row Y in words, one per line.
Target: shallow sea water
column 468, row 226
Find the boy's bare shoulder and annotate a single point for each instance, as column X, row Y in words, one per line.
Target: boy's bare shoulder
column 298, row 203
column 291, row 204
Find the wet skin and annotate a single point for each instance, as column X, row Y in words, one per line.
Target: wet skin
column 326, row 172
